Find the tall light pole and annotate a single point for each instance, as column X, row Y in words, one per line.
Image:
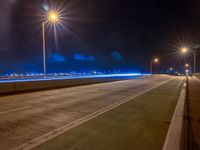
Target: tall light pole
column 44, row 49
column 186, row 50
column 155, row 60
column 52, row 17
column 194, row 61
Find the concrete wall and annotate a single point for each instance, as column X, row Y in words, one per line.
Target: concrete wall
column 7, row 87
column 16, row 87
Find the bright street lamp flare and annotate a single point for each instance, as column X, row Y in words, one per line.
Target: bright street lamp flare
column 156, row 60
column 187, row 65
column 53, row 16
column 184, row 50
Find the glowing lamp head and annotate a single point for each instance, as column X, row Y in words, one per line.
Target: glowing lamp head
column 184, row 50
column 156, row 60
column 187, row 65
column 53, row 17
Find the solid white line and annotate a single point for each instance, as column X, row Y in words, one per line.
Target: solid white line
column 16, row 109
column 50, row 135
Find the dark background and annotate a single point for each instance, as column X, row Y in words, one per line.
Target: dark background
column 102, row 35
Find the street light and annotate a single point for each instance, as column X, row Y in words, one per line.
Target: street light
column 155, row 60
column 187, row 65
column 186, row 50
column 52, row 17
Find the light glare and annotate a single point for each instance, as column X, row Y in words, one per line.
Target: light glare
column 187, row 65
column 184, row 50
column 156, row 60
column 53, row 17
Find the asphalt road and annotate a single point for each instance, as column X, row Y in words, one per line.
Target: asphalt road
column 25, row 117
column 141, row 123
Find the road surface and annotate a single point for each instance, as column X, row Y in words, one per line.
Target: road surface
column 25, row 117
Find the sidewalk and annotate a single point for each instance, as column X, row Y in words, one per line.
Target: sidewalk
column 194, row 113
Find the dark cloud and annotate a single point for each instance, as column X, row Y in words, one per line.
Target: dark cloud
column 56, row 57
column 2, row 67
column 82, row 57
column 117, row 56
column 3, row 49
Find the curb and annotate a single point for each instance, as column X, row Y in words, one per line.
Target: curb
column 174, row 138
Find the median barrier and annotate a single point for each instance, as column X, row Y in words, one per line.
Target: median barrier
column 7, row 87
column 29, row 86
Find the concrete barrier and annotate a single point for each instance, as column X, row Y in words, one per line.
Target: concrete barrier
column 7, row 87
column 26, row 86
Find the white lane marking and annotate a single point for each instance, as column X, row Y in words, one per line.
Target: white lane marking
column 52, row 134
column 16, row 109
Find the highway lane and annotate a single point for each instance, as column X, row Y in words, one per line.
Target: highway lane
column 27, row 116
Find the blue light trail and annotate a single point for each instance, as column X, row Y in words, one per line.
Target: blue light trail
column 133, row 75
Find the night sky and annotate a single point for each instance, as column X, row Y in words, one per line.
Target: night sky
column 102, row 35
